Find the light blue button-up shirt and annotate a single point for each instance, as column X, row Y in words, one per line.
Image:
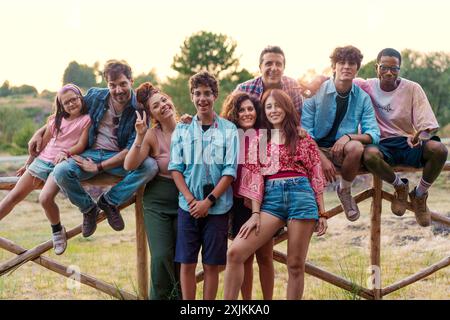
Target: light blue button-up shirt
column 319, row 112
column 204, row 157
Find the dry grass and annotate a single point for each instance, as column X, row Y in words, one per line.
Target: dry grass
column 344, row 250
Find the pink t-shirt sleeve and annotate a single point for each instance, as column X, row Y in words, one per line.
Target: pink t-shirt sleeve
column 423, row 115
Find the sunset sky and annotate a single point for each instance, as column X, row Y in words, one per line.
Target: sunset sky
column 39, row 38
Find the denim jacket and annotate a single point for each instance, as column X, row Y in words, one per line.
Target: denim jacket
column 97, row 102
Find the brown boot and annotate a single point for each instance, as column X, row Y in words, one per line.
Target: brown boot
column 398, row 205
column 419, row 204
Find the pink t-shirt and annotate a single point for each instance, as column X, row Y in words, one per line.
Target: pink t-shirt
column 401, row 112
column 162, row 156
column 68, row 136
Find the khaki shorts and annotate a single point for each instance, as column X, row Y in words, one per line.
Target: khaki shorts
column 327, row 153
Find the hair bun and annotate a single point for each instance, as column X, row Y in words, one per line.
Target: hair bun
column 144, row 91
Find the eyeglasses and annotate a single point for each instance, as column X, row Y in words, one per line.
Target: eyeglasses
column 384, row 68
column 70, row 101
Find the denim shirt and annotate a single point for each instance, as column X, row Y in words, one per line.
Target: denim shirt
column 204, row 158
column 319, row 112
column 97, row 102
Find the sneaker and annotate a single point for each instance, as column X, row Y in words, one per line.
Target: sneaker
column 112, row 214
column 419, row 204
column 90, row 222
column 348, row 203
column 59, row 241
column 398, row 205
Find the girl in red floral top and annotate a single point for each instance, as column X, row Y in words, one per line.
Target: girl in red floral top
column 283, row 178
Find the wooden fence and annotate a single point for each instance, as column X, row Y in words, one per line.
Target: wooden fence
column 376, row 193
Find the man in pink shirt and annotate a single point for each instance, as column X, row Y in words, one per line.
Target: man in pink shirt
column 407, row 124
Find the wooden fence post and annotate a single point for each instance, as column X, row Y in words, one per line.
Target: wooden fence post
column 141, row 247
column 375, row 236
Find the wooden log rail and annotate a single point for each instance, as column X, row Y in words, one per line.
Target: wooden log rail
column 376, row 292
column 36, row 254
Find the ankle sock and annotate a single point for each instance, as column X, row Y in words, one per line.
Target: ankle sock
column 422, row 187
column 345, row 184
column 56, row 227
column 398, row 181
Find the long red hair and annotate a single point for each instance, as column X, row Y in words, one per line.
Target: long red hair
column 290, row 122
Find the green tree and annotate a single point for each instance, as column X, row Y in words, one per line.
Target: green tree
column 368, row 70
column 80, row 74
column 5, row 89
column 207, row 51
column 432, row 72
column 144, row 77
column 24, row 90
column 24, row 133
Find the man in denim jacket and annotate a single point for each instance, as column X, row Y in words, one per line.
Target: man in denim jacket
column 113, row 114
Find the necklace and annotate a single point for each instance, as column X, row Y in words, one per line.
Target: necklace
column 343, row 97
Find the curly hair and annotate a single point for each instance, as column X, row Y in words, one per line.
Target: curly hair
column 204, row 78
column 232, row 105
column 144, row 93
column 347, row 53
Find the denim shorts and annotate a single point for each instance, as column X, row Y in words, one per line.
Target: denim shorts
column 40, row 169
column 209, row 233
column 291, row 198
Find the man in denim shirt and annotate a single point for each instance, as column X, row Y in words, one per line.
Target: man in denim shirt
column 203, row 161
column 113, row 114
column 341, row 119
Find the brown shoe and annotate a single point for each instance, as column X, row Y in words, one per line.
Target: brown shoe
column 112, row 213
column 351, row 209
column 398, row 205
column 419, row 204
column 90, row 222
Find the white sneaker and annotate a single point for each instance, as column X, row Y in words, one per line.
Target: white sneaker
column 59, row 241
column 348, row 203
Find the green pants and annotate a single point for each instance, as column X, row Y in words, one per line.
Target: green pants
column 160, row 217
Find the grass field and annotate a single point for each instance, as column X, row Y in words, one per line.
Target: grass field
column 110, row 255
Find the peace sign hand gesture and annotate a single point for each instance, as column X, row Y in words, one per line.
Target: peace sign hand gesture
column 141, row 124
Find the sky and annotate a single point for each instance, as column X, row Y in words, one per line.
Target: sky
column 39, row 38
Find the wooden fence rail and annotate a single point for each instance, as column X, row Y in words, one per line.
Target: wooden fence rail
column 376, row 292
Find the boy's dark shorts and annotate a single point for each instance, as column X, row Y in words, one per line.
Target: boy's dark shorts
column 396, row 151
column 209, row 233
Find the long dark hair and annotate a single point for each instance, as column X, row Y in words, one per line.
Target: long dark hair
column 232, row 104
column 290, row 122
column 60, row 113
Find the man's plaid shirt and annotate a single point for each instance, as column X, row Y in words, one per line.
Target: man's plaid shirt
column 255, row 88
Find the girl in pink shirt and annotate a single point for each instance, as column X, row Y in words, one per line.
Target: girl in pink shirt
column 66, row 134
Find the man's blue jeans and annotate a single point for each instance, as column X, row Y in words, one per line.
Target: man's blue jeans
column 68, row 176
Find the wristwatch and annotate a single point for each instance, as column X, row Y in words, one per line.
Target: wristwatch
column 212, row 198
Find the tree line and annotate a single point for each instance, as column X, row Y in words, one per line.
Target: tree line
column 216, row 53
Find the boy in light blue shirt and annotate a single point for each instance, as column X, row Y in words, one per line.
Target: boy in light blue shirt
column 203, row 162
column 341, row 119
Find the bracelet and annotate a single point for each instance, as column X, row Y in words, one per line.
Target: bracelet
column 348, row 137
column 189, row 203
column 323, row 215
column 99, row 167
column 257, row 212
